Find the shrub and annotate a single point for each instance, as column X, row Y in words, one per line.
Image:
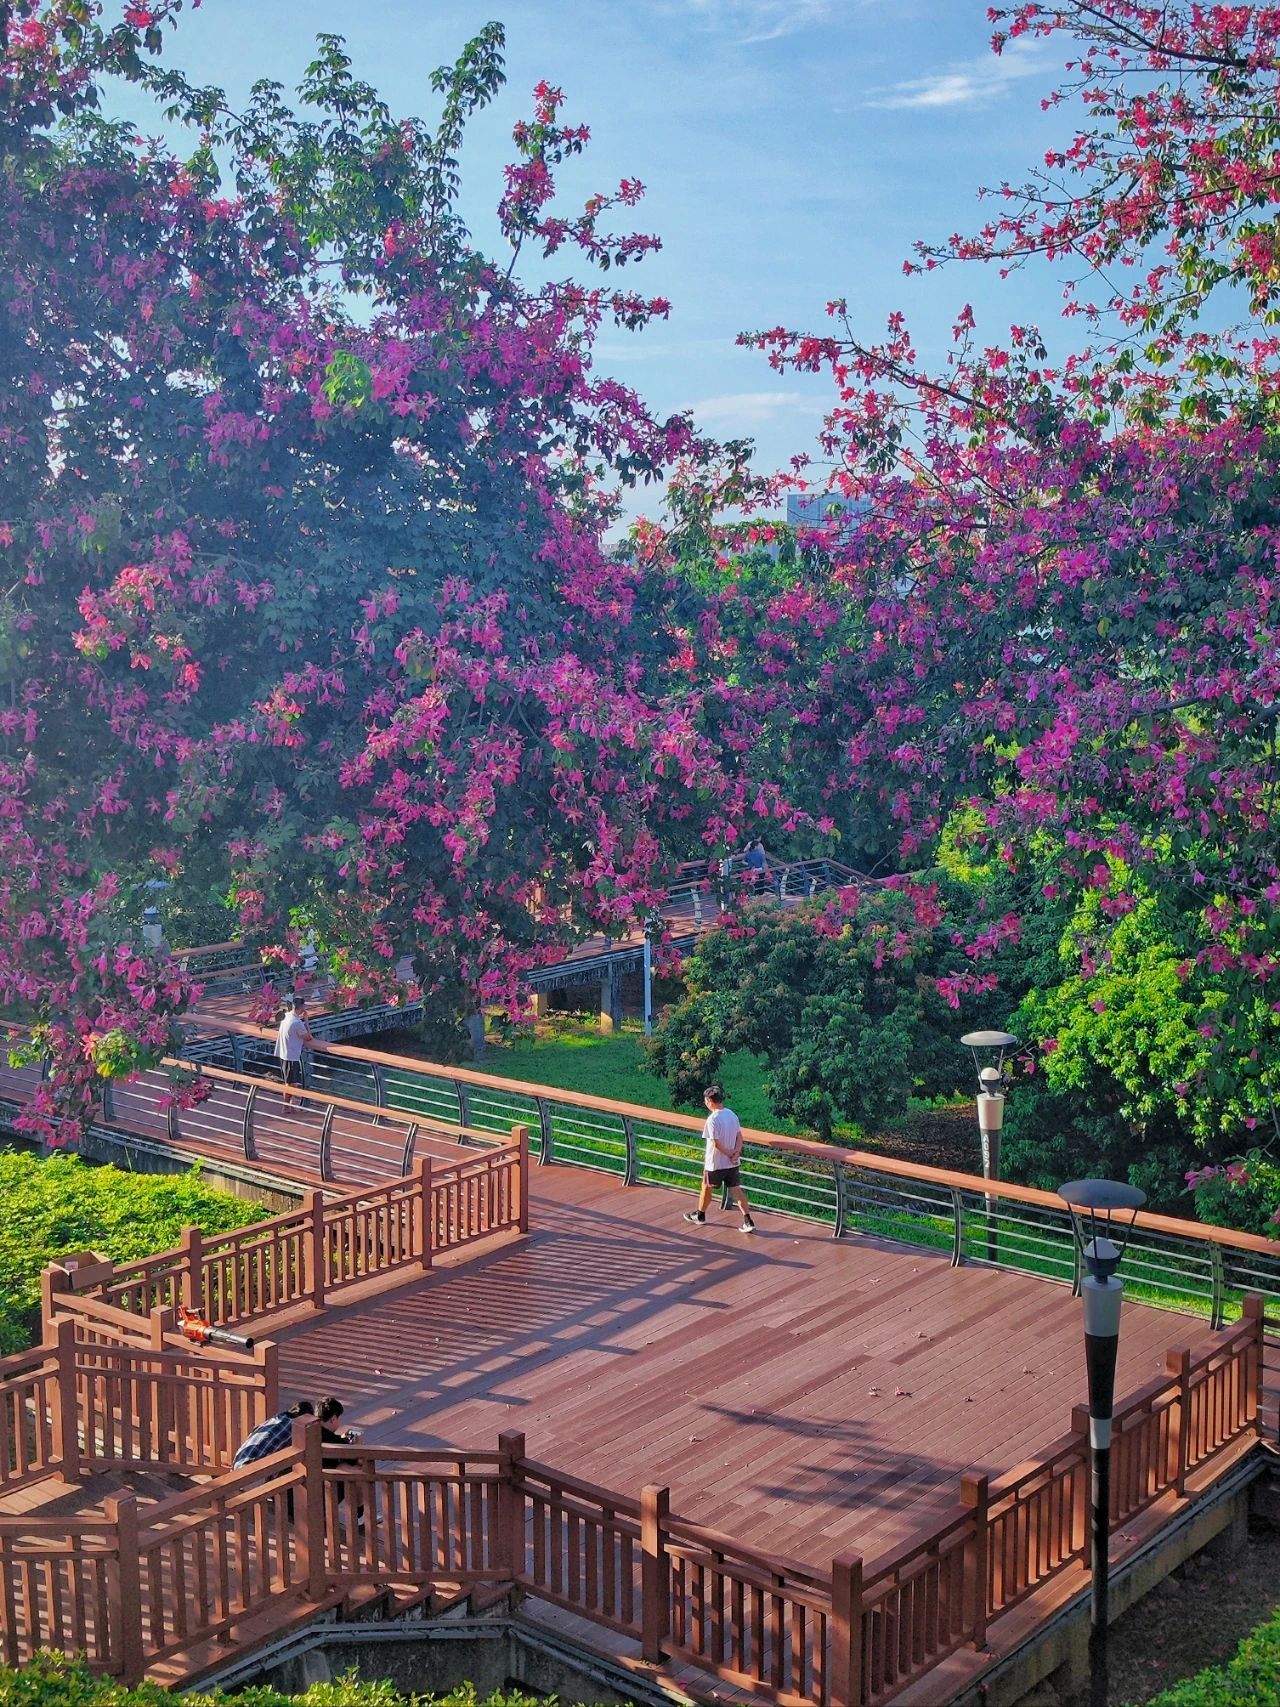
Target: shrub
column 63, row 1204
column 1244, row 1193
column 839, row 1001
column 1251, row 1679
column 52, row 1680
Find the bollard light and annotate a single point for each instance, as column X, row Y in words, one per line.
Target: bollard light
column 989, row 1049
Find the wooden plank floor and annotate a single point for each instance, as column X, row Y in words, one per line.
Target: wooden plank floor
column 800, row 1394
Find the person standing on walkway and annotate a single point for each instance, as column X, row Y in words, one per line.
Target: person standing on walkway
column 756, row 863
column 722, row 1153
column 291, row 1039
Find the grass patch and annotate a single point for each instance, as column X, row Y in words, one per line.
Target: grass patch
column 572, row 1055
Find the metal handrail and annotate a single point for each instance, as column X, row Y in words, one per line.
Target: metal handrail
column 1186, row 1264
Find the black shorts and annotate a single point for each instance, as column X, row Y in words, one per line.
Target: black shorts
column 291, row 1072
column 724, row 1176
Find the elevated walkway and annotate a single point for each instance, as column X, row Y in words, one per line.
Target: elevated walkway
column 694, row 904
column 822, row 1471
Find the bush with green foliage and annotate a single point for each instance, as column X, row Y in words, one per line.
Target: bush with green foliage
column 1142, row 1062
column 1251, row 1679
column 53, row 1680
column 62, row 1204
column 1145, row 1070
column 843, row 1009
column 1242, row 1193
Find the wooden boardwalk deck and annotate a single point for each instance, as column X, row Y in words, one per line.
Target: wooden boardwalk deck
column 800, row 1394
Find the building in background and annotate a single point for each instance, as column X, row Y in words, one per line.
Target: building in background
column 824, row 511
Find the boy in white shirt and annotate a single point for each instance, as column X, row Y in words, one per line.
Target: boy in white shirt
column 291, row 1039
column 722, row 1152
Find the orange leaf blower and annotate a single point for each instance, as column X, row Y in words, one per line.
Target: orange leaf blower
column 193, row 1325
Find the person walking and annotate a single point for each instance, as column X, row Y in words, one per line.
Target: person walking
column 722, row 1153
column 291, row 1039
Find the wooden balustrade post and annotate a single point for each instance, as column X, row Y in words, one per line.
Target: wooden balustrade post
column 655, row 1578
column 520, row 1136
column 313, row 1207
column 1177, row 1365
column 192, row 1248
column 846, row 1631
column 308, row 1507
column 266, row 1355
column 66, row 1408
column 1080, row 1486
column 124, row 1589
column 509, row 1543
column 1251, row 1310
column 974, row 1492
column 163, row 1323
column 426, row 1220
column 54, row 1281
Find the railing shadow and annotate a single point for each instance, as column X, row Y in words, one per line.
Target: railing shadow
column 572, row 1285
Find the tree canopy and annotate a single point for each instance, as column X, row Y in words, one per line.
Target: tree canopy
column 305, row 499
column 304, row 506
column 1049, row 647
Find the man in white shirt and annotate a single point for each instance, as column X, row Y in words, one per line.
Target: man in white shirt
column 291, row 1039
column 722, row 1152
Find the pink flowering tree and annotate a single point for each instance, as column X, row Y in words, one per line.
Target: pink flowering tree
column 1050, row 647
column 303, row 513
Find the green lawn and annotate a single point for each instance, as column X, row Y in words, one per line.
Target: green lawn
column 575, row 1057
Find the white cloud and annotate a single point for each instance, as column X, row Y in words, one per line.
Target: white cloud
column 764, row 20
column 969, row 83
column 746, row 408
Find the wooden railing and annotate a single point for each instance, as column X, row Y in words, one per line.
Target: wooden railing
column 108, row 1390
column 61, row 1587
column 182, row 1411
column 940, row 1591
column 579, row 1546
column 215, row 956
column 1180, row 1263
column 149, row 1584
column 30, row 1417
column 114, row 1382
column 755, row 1620
column 133, row 1392
column 239, row 1277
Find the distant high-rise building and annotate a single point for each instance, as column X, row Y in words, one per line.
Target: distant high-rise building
column 823, row 509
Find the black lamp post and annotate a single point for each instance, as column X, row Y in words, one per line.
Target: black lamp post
column 1102, row 1216
column 989, row 1049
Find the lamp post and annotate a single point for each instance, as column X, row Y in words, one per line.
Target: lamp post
column 989, row 1049
column 648, row 981
column 152, row 924
column 1102, row 1216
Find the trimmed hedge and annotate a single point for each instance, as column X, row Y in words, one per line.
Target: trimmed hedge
column 50, row 1207
column 1251, row 1679
column 52, row 1680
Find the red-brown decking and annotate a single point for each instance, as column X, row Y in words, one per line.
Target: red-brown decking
column 796, row 1393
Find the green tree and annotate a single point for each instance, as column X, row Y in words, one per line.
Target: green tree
column 1146, row 1068
column 838, row 999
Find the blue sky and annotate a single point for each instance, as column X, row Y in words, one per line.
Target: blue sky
column 792, row 151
